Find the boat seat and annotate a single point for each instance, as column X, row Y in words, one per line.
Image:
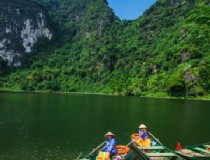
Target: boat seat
column 151, row 147
column 156, row 158
column 201, row 150
column 160, row 154
column 207, row 146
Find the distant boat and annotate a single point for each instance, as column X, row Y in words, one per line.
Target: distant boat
column 157, row 151
column 196, row 152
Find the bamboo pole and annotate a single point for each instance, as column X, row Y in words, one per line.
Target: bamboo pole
column 79, row 156
column 97, row 147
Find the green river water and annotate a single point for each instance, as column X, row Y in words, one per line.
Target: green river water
column 59, row 127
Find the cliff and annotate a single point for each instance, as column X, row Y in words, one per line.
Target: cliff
column 22, row 24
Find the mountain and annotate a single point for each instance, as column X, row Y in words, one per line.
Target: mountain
column 165, row 52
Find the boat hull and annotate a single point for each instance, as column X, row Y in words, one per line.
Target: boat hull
column 93, row 156
column 157, row 152
column 195, row 152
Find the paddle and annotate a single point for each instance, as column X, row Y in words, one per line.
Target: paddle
column 155, row 138
column 99, row 146
column 92, row 151
column 132, row 141
column 79, row 156
column 129, row 143
column 162, row 144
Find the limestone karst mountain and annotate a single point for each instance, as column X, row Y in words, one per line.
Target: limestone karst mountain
column 22, row 24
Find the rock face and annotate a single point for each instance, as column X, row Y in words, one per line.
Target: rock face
column 21, row 24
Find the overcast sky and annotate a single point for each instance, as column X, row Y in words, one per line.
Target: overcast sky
column 130, row 9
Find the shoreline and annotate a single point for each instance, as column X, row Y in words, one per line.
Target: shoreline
column 2, row 90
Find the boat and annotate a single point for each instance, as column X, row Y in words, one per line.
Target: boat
column 157, row 151
column 121, row 156
column 195, row 152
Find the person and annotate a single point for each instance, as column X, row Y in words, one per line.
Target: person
column 110, row 146
column 143, row 139
column 143, row 134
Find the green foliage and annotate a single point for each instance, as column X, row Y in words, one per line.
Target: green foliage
column 165, row 52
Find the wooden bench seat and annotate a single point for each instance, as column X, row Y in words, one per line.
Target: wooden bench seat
column 207, row 146
column 201, row 150
column 151, row 147
column 160, row 154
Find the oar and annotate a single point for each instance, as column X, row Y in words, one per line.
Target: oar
column 129, row 143
column 132, row 141
column 97, row 147
column 163, row 145
column 155, row 138
column 92, row 151
column 79, row 156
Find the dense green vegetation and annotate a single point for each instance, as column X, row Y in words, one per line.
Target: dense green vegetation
column 165, row 52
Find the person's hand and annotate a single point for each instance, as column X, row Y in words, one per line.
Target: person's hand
column 134, row 140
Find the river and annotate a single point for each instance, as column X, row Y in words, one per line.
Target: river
column 59, row 127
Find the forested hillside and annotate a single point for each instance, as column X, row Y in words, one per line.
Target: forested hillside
column 165, row 52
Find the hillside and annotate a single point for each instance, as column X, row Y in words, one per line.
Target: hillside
column 165, row 52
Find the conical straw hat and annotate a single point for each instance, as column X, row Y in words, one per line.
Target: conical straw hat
column 142, row 126
column 109, row 134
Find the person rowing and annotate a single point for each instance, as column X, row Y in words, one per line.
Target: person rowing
column 110, row 146
column 143, row 134
column 143, row 139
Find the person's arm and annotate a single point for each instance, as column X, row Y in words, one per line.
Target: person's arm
column 105, row 147
column 147, row 134
column 140, row 133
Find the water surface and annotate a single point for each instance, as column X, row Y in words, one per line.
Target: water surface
column 59, row 127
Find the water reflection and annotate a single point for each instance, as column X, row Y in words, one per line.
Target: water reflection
column 53, row 126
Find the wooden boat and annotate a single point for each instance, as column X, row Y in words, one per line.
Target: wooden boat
column 196, row 152
column 157, row 151
column 92, row 156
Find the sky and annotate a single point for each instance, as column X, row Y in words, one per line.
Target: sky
column 130, row 9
